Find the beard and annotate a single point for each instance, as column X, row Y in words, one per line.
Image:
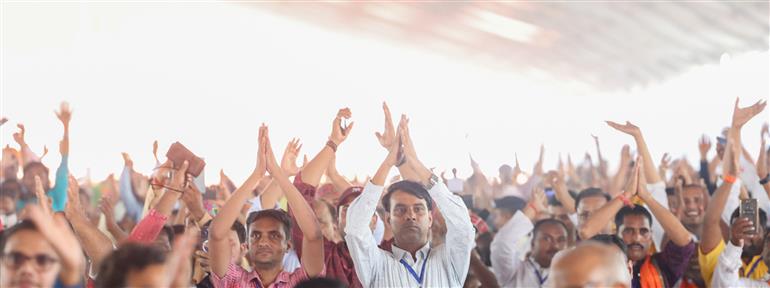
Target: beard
column 751, row 251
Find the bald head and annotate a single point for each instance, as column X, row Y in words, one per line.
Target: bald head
column 590, row 264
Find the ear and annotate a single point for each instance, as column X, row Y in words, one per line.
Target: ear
column 288, row 245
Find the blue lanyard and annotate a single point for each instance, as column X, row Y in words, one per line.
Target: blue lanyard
column 537, row 273
column 422, row 270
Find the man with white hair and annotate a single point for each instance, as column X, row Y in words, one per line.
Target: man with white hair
column 590, row 264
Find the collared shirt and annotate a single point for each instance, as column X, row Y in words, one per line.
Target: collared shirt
column 237, row 277
column 728, row 270
column 148, row 229
column 512, row 268
column 708, row 264
column 447, row 264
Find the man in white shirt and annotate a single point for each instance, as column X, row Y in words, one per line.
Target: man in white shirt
column 728, row 271
column 413, row 262
column 549, row 237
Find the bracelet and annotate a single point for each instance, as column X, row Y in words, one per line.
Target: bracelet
column 764, row 181
column 331, row 144
column 626, row 201
column 729, row 178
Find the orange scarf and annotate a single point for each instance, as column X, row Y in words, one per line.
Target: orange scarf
column 650, row 276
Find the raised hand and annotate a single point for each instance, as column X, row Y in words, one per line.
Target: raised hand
column 19, row 136
column 765, row 130
column 73, row 207
column 742, row 115
column 632, row 186
column 704, row 145
column 388, row 137
column 107, row 208
column 272, row 165
column 3, row 120
column 628, row 128
column 180, row 180
column 289, row 159
column 44, row 201
column 58, row 233
column 155, row 151
column 64, row 114
column 177, row 266
column 127, row 160
column 261, row 167
column 339, row 133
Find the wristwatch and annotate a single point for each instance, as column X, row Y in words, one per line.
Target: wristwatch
column 432, row 181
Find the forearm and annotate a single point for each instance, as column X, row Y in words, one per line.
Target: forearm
column 230, row 211
column 340, row 183
column 303, row 213
column 271, row 195
column 117, row 233
column 166, row 203
column 482, row 272
column 712, row 232
column 598, row 221
column 96, row 245
column 673, row 227
column 133, row 207
column 649, row 165
column 382, row 174
column 562, row 194
column 59, row 192
column 312, row 173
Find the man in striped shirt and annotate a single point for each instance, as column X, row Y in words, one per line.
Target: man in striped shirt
column 412, row 262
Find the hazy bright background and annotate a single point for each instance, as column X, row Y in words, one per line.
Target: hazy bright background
column 208, row 74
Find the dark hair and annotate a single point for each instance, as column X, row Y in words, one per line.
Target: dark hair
column 510, row 204
column 540, row 223
column 10, row 188
column 34, row 164
column 276, row 214
column 237, row 227
column 321, row 282
column 20, row 226
column 762, row 216
column 627, row 211
column 169, row 231
column 127, row 258
column 410, row 187
column 610, row 239
column 590, row 192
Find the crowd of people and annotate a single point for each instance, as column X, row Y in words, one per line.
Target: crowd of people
column 643, row 224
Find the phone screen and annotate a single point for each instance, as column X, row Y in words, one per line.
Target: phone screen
column 748, row 209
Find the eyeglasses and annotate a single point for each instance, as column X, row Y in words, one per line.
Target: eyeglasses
column 16, row 260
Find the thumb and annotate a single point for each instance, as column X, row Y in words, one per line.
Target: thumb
column 183, row 168
column 379, row 136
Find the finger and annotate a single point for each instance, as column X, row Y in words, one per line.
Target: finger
column 349, row 128
column 183, row 168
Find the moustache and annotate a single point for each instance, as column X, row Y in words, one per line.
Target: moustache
column 637, row 245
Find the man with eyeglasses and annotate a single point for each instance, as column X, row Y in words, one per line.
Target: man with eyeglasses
column 40, row 252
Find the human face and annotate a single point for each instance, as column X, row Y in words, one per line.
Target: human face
column 29, row 178
column 588, row 206
column 549, row 239
column 753, row 243
column 9, row 164
column 636, row 233
column 694, row 206
column 7, row 205
column 267, row 242
column 410, row 219
column 324, row 215
column 151, row 276
column 28, row 260
column 560, row 213
column 501, row 217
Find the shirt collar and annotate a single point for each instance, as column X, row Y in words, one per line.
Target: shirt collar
column 283, row 277
column 534, row 264
column 399, row 253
